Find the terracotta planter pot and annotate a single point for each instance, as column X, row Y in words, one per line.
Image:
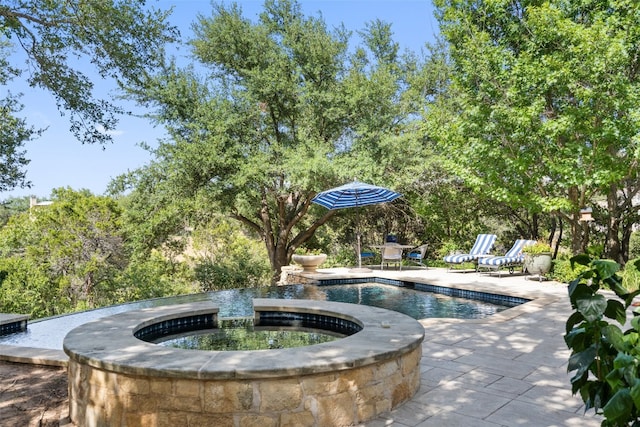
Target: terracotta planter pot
column 309, row 263
column 538, row 263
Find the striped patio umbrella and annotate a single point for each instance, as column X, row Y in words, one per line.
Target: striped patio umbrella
column 353, row 195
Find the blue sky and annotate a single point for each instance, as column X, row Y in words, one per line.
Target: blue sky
column 58, row 160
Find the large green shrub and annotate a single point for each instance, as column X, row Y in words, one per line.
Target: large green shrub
column 605, row 358
column 223, row 257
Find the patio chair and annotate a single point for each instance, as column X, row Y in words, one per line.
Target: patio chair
column 367, row 256
column 512, row 259
column 482, row 246
column 390, row 254
column 417, row 255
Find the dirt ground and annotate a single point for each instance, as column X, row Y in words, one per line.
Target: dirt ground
column 32, row 395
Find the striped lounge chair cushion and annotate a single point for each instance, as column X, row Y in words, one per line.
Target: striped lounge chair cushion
column 482, row 246
column 499, row 261
column 512, row 257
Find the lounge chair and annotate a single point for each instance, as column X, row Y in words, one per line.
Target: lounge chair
column 482, row 246
column 512, row 259
column 391, row 253
column 417, row 255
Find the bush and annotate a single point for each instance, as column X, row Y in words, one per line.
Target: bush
column 563, row 271
column 631, row 276
column 604, row 358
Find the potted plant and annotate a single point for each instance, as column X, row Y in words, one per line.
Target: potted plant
column 537, row 258
column 309, row 259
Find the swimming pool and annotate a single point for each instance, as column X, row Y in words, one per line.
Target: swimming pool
column 50, row 332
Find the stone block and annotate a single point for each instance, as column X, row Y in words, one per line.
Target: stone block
column 258, row 421
column 366, row 411
column 135, row 385
column 336, row 410
column 358, row 377
column 411, row 361
column 142, row 420
column 190, row 404
column 186, row 388
column 320, row 384
column 209, row 420
column 161, row 387
column 401, row 393
column 298, row 419
column 386, row 369
column 142, row 402
column 227, row 397
column 280, row 395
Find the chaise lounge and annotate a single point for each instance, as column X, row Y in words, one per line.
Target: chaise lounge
column 512, row 259
column 482, row 246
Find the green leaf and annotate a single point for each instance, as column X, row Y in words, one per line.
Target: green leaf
column 628, row 299
column 615, row 310
column 635, row 395
column 619, row 407
column 614, row 378
column 575, row 318
column 580, row 290
column 575, row 339
column 581, row 361
column 592, row 307
column 614, row 336
column 581, row 259
column 605, row 268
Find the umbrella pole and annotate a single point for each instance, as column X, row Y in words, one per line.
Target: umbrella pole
column 359, row 269
column 359, row 251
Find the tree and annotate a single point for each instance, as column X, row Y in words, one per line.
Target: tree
column 65, row 255
column 121, row 40
column 544, row 107
column 282, row 112
column 14, row 131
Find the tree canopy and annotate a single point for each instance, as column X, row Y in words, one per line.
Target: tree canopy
column 280, row 111
column 543, row 106
column 52, row 45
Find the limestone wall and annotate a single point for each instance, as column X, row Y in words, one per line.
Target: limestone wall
column 102, row 398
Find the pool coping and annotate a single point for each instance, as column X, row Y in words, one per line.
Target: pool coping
column 109, row 343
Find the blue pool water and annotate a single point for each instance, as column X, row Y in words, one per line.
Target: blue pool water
column 50, row 332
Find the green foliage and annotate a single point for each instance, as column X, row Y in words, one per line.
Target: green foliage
column 538, row 109
column 225, row 258
column 120, row 40
column 75, row 243
column 537, row 248
column 448, row 247
column 604, row 357
column 634, row 245
column 152, row 277
column 631, row 275
column 282, row 113
column 564, row 271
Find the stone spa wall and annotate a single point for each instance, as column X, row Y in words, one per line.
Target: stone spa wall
column 117, row 380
